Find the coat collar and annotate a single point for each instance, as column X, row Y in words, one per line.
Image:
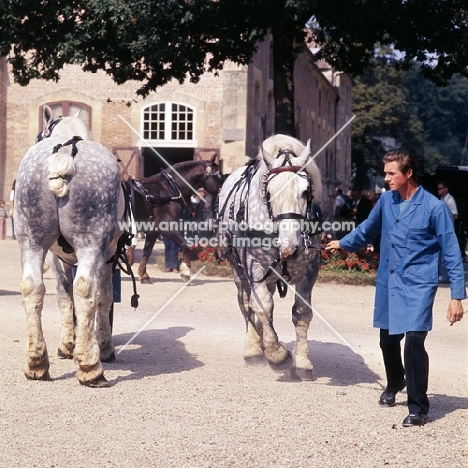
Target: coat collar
column 415, row 200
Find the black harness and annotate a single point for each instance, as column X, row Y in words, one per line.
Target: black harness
column 48, row 131
column 242, row 185
column 73, row 141
column 137, row 186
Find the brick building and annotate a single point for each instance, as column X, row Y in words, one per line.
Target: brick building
column 225, row 115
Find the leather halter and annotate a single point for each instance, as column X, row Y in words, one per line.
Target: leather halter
column 266, row 194
column 48, row 131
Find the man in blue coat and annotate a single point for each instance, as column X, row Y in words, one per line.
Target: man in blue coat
column 414, row 226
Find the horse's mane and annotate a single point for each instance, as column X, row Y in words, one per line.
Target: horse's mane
column 274, row 144
column 70, row 127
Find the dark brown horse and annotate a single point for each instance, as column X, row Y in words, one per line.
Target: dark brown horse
column 160, row 199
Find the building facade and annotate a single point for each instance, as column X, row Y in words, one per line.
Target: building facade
column 227, row 115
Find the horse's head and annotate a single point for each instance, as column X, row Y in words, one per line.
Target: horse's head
column 213, row 178
column 63, row 127
column 291, row 185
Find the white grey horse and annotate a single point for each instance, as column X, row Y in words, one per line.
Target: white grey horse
column 68, row 202
column 267, row 218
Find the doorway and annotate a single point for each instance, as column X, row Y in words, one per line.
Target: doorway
column 152, row 163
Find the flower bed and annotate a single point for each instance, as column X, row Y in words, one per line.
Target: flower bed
column 342, row 267
column 338, row 267
column 362, row 260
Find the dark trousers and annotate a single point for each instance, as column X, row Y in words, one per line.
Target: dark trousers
column 171, row 250
column 416, row 367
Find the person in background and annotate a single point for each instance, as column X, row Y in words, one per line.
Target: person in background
column 360, row 206
column 444, row 195
column 3, row 218
column 340, row 201
column 414, row 226
column 171, row 255
column 447, row 198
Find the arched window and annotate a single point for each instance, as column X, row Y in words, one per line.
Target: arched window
column 66, row 108
column 169, row 122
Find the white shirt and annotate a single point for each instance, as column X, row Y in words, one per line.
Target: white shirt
column 450, row 201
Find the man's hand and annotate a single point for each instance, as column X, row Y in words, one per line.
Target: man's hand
column 455, row 311
column 333, row 245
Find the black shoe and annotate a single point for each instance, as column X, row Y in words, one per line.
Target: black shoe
column 413, row 420
column 388, row 396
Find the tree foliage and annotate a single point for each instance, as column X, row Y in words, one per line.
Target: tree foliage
column 401, row 109
column 154, row 42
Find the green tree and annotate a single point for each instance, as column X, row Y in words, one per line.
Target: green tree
column 412, row 112
column 156, row 41
column 444, row 114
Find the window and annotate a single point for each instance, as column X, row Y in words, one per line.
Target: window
column 168, row 122
column 66, row 108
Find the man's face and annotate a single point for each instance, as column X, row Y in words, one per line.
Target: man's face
column 394, row 177
column 355, row 195
column 442, row 190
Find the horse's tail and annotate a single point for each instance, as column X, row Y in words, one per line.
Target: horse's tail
column 60, row 166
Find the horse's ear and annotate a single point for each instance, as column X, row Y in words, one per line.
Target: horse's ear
column 46, row 116
column 77, row 113
column 304, row 156
column 267, row 157
column 213, row 159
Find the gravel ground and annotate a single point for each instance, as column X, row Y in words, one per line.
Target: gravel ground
column 181, row 396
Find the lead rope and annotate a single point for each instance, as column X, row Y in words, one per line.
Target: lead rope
column 120, row 259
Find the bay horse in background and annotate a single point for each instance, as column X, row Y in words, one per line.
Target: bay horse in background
column 68, row 205
column 275, row 200
column 162, row 198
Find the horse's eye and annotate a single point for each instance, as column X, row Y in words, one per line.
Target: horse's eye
column 305, row 194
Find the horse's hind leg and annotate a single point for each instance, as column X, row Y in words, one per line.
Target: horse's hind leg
column 103, row 326
column 33, row 291
column 85, row 293
column 63, row 275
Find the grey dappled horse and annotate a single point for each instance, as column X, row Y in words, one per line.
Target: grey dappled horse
column 68, row 202
column 279, row 189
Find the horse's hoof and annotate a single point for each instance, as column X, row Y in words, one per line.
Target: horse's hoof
column 63, row 355
column 98, row 382
column 37, row 375
column 110, row 358
column 252, row 361
column 185, row 277
column 280, row 367
column 146, row 280
column 301, row 374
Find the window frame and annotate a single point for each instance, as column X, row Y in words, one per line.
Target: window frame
column 66, row 111
column 169, row 122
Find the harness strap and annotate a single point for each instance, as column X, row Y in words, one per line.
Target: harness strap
column 281, row 284
column 48, row 131
column 120, row 259
column 73, row 141
column 246, row 176
column 174, row 187
column 151, row 199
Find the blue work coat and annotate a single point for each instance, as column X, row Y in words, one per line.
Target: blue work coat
column 407, row 277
